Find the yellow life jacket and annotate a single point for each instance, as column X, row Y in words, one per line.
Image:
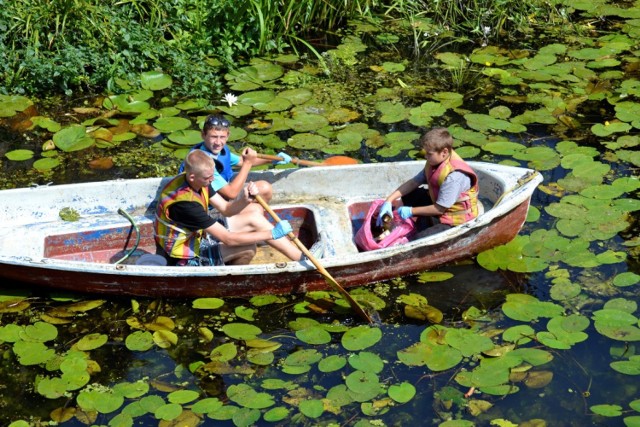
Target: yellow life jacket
column 466, row 207
column 177, row 242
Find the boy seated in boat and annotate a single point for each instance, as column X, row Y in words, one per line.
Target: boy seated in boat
column 215, row 133
column 450, row 181
column 182, row 221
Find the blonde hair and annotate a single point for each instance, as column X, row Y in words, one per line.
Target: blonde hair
column 437, row 139
column 197, row 162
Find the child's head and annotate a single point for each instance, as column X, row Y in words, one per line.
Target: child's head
column 215, row 133
column 437, row 145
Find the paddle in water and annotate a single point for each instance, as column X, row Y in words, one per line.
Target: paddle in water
column 331, row 161
column 335, row 285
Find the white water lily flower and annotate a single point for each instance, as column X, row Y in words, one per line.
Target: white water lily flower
column 230, row 99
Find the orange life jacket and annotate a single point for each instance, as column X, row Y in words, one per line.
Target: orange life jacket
column 466, row 207
column 177, row 242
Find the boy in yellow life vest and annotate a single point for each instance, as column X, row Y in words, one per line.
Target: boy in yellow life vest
column 451, row 197
column 182, row 221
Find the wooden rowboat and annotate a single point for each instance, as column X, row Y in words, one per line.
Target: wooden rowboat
column 98, row 252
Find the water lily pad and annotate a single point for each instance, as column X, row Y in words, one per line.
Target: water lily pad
column 91, row 342
column 168, row 412
column 467, row 341
column 103, row 401
column 307, row 122
column 224, row 352
column 312, row 408
column 627, row 367
column 364, row 383
column 73, row 138
column 484, row 122
column 314, row 335
column 526, row 308
column 367, row 362
column 172, row 124
column 132, row 390
column 187, row 137
column 164, row 338
column 39, row 332
column 19, row 155
column 607, row 410
column 402, row 393
column 276, row 104
column 32, row 353
column 296, row 96
column 204, row 406
column 606, row 129
column 625, row 279
column 361, row 337
column 241, row 331
column 392, row 112
column 303, row 357
column 520, row 334
column 183, row 396
column 139, row 341
column 332, row 363
column 246, row 396
column 308, row 141
column 435, row 356
column 155, row 80
column 11, row 104
column 276, row 414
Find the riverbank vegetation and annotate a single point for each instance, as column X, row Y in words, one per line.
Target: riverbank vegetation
column 87, row 46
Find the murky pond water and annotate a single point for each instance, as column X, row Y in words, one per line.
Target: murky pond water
column 548, row 337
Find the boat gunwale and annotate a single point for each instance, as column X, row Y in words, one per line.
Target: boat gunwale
column 518, row 195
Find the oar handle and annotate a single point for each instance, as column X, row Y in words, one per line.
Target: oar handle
column 354, row 305
column 294, row 160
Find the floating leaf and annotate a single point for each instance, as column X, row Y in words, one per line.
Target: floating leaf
column 402, row 393
column 246, row 396
column 183, row 396
column 434, row 276
column 139, row 341
column 276, row 414
column 19, row 155
column 607, row 410
column 171, row 124
column 103, row 401
column 467, row 341
column 168, row 412
column 73, row 138
column 332, row 363
column 625, row 279
column 312, row 408
column 361, row 337
column 307, row 141
column 11, row 104
column 367, row 362
column 91, row 342
column 207, row 303
column 241, row 331
column 204, row 406
column 627, row 367
column 155, row 80
column 314, row 335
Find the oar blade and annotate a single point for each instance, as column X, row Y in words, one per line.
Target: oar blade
column 340, row 161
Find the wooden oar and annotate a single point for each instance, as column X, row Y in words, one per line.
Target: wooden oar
column 331, row 161
column 335, row 285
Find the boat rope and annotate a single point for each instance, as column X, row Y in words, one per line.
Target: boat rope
column 521, row 181
column 135, row 226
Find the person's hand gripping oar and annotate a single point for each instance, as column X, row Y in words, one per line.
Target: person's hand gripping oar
column 354, row 305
